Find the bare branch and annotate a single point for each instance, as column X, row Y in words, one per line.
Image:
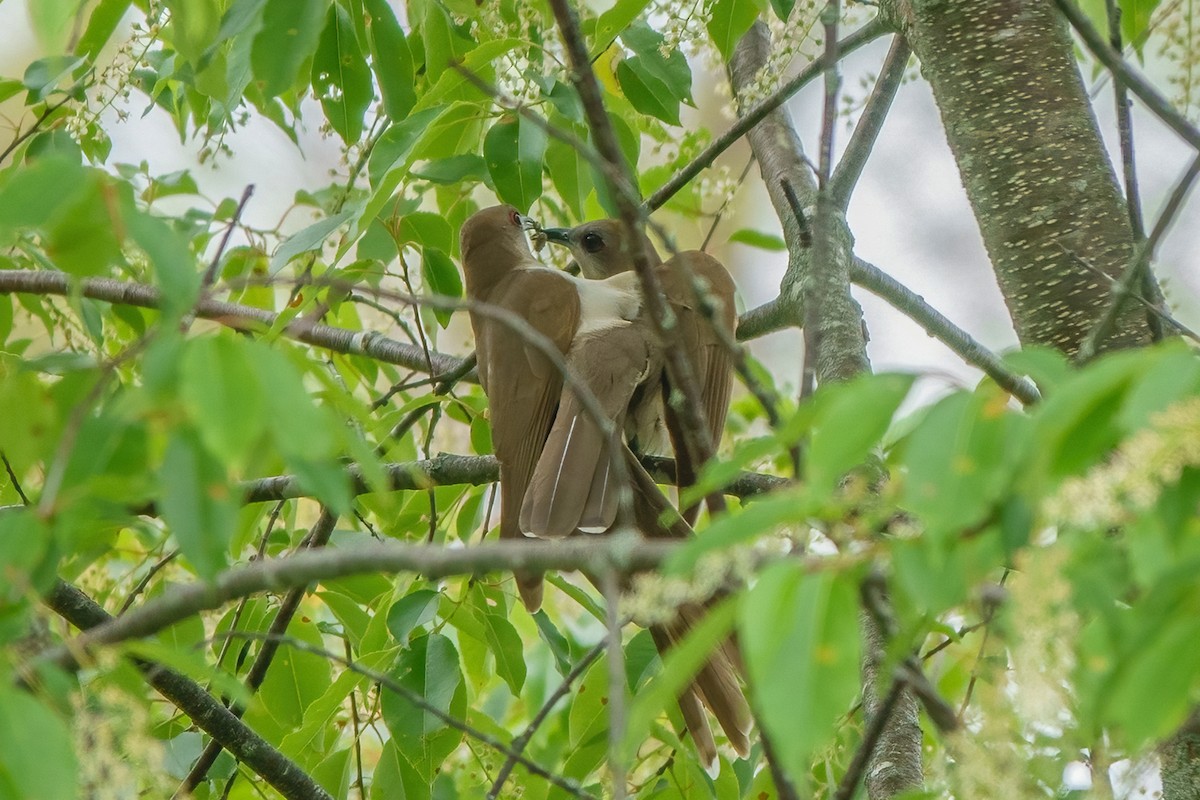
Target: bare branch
column 858, row 149
column 232, row 315
column 1145, row 91
column 751, row 117
column 1138, row 265
column 393, row 685
column 284, row 775
column 871, row 277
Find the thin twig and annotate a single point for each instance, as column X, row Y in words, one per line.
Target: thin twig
column 697, row 442
column 808, row 372
column 1137, row 265
column 967, row 348
column 1177, row 326
column 862, row 140
column 137, row 590
column 317, row 537
column 36, row 126
column 12, row 477
column 284, row 775
column 1145, row 91
column 1133, row 200
column 393, row 685
column 519, row 743
column 757, row 113
column 210, row 274
column 610, row 589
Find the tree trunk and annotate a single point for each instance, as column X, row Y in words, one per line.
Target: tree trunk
column 840, row 348
column 1029, row 153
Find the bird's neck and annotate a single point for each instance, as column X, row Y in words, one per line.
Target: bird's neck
column 484, row 270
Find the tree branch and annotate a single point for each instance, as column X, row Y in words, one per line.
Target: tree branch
column 1138, row 265
column 862, row 141
column 317, row 537
column 751, row 117
column 204, row 710
column 622, row 185
column 232, row 315
column 392, row 685
column 1145, row 91
column 871, row 277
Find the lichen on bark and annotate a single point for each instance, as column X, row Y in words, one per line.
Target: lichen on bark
column 1030, row 156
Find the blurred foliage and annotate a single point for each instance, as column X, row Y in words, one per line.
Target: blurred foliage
column 1083, row 507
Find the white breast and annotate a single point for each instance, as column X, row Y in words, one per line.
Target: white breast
column 607, row 303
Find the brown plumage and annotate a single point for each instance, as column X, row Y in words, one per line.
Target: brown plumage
column 555, row 461
column 601, row 250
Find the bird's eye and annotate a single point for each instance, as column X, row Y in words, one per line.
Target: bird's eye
column 593, row 243
column 515, row 218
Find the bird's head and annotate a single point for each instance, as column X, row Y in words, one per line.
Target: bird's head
column 599, row 247
column 494, row 239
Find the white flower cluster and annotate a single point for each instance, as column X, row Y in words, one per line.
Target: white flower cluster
column 1133, row 478
column 684, row 25
column 654, row 598
column 112, row 87
column 1042, row 657
column 789, row 40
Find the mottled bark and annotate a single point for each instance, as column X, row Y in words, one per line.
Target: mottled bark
column 840, row 346
column 1030, row 156
column 841, row 351
column 1180, row 759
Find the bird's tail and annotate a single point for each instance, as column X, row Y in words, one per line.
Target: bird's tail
column 715, row 687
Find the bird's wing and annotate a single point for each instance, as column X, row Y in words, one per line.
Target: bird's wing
column 524, row 386
column 710, row 358
column 572, row 487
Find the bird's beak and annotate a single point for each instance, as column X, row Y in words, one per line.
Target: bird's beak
column 558, row 235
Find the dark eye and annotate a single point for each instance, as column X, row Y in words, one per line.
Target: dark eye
column 515, row 218
column 592, row 242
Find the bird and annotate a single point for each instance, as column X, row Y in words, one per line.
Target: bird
column 601, row 249
column 556, row 460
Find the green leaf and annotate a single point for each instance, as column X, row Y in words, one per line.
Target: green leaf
column 616, row 19
column 570, row 174
column 197, row 502
column 783, row 8
column 51, row 21
column 799, row 634
column 756, row 519
column 341, row 79
column 728, row 21
column 645, row 92
column 410, row 611
column 391, row 59
column 101, row 25
column 1135, row 21
column 193, row 25
column 960, row 459
column 850, row 419
column 506, row 646
column 441, row 277
column 514, row 150
column 37, row 758
column 390, row 152
column 430, row 669
column 221, row 391
column 454, row 169
column 47, row 74
column 297, row 680
column 309, row 239
column 763, row 241
column 174, row 266
column 425, row 229
column 289, row 35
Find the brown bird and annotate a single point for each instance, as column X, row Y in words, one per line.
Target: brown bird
column 601, row 251
column 555, row 460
